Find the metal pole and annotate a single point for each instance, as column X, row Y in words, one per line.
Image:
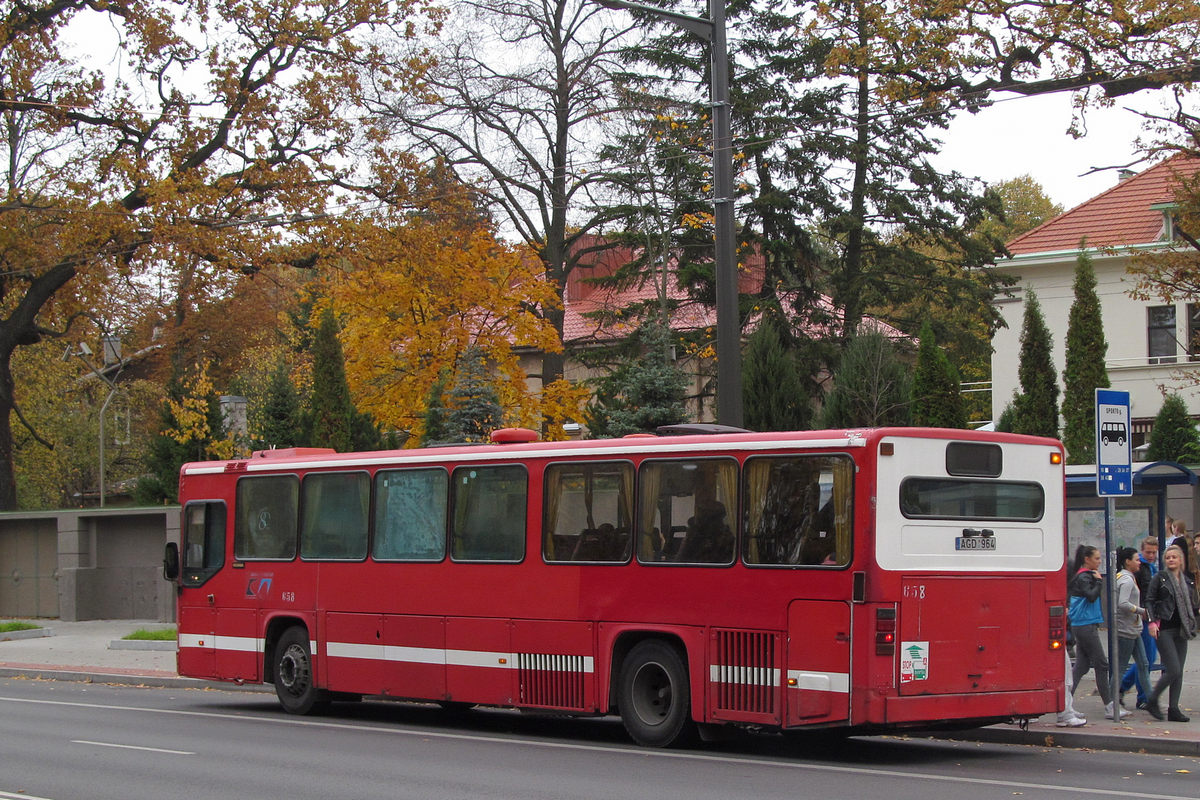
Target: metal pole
column 1114, row 679
column 729, row 354
column 104, row 410
column 729, row 326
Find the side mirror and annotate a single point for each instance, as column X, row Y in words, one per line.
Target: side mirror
column 171, row 562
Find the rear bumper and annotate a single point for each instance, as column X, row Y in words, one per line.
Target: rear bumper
column 923, row 710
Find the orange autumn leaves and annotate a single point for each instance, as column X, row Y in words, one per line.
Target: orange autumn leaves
column 414, row 291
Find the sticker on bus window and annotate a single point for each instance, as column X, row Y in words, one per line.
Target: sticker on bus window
column 914, row 661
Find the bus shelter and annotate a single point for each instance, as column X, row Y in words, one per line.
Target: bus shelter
column 1137, row 516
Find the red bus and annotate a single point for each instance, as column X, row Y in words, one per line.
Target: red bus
column 870, row 579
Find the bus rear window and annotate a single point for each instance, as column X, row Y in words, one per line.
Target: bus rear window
column 952, row 498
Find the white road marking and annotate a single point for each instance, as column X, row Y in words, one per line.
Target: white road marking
column 1121, row 792
column 19, row 796
column 134, row 747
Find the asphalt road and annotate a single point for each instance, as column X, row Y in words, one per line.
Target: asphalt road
column 77, row 741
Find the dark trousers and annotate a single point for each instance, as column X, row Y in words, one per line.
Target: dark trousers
column 1172, row 646
column 1132, row 675
column 1089, row 655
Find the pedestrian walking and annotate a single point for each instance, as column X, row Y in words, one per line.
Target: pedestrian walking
column 1129, row 616
column 1147, row 569
column 1085, row 617
column 1171, row 604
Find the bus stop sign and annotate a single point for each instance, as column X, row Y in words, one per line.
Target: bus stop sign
column 1114, row 469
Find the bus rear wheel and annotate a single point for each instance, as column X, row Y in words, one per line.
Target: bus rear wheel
column 653, row 696
column 294, row 685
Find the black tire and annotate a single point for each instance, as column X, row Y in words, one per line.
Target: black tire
column 654, row 696
column 294, row 681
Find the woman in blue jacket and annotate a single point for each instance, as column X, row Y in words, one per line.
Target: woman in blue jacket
column 1084, row 588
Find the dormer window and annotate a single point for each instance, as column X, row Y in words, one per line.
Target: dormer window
column 1168, row 232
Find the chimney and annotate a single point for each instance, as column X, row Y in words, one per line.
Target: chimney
column 1124, row 175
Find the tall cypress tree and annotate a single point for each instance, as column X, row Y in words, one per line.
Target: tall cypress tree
column 1037, row 405
column 1085, row 369
column 937, row 400
column 330, row 411
column 773, row 396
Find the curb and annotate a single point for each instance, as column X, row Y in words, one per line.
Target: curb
column 143, row 644
column 1073, row 738
column 32, row 633
column 126, row 679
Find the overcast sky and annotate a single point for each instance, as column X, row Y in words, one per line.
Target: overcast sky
column 1028, row 135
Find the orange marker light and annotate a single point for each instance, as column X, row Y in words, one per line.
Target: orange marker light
column 1056, row 457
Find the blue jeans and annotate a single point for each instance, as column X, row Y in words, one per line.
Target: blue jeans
column 1131, row 675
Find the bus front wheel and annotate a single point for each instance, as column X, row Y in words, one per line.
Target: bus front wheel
column 294, row 684
column 653, row 696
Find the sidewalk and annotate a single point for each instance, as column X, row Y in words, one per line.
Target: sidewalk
column 85, row 651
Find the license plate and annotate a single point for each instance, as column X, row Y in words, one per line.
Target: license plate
column 975, row 543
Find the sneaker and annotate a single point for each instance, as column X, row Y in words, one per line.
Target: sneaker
column 1141, row 704
column 1108, row 712
column 1068, row 720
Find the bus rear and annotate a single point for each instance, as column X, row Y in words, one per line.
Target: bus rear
column 969, row 540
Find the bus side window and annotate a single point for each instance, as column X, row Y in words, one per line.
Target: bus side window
column 334, row 523
column 489, row 513
column 798, row 510
column 588, row 512
column 203, row 541
column 685, row 511
column 266, row 511
column 410, row 514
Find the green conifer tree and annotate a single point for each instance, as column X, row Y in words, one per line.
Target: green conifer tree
column 280, row 423
column 436, row 419
column 1174, row 436
column 773, row 396
column 332, row 420
column 475, row 409
column 1037, row 405
column 1085, row 369
column 937, row 400
column 645, row 392
column 871, row 386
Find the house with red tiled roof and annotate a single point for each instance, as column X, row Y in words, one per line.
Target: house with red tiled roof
column 1149, row 341
column 593, row 318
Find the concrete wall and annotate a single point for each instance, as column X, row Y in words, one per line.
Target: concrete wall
column 87, row 564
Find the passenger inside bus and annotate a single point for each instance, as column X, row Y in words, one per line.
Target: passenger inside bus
column 708, row 539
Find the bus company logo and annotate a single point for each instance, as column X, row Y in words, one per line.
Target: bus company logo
column 258, row 587
column 914, row 661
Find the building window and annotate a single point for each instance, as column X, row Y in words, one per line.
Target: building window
column 1193, row 340
column 1160, row 325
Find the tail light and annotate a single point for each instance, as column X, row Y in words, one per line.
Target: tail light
column 1058, row 628
column 885, row 631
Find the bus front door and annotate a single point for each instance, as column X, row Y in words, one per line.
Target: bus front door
column 817, row 681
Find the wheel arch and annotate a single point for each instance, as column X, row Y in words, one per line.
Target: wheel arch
column 686, row 641
column 274, row 629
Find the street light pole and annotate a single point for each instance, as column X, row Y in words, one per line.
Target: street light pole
column 82, row 354
column 729, row 354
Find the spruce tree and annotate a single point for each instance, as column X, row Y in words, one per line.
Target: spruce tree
column 330, row 411
column 1037, row 405
column 937, row 400
column 1174, row 436
column 871, row 386
column 436, row 427
column 475, row 409
column 1085, row 369
column 773, row 396
column 645, row 392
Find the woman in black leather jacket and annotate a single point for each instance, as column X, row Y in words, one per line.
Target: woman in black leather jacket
column 1172, row 609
